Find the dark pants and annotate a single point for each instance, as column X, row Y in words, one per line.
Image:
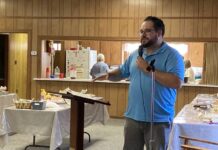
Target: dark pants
column 137, row 134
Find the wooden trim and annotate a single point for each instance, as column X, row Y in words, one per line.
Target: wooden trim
column 171, row 39
column 39, row 52
column 6, row 60
column 29, row 61
column 17, row 31
column 63, row 17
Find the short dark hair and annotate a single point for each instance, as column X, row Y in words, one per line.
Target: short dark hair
column 187, row 63
column 158, row 23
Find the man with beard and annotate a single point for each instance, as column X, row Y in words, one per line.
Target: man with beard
column 169, row 74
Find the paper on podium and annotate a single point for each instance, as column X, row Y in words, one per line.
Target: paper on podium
column 88, row 98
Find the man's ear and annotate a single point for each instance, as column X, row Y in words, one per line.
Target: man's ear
column 159, row 32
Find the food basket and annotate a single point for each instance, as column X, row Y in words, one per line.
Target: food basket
column 23, row 104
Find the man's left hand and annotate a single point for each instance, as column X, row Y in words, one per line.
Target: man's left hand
column 142, row 64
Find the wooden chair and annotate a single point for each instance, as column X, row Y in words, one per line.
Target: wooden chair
column 186, row 145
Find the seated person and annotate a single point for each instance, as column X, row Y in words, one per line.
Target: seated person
column 100, row 67
column 189, row 73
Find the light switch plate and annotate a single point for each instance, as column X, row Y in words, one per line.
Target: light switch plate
column 33, row 53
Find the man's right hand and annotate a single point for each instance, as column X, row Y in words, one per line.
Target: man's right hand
column 101, row 77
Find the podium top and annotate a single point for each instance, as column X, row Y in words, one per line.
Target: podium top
column 85, row 98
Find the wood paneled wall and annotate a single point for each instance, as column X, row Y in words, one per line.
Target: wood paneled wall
column 210, row 70
column 111, row 49
column 195, row 20
column 109, row 18
column 195, row 53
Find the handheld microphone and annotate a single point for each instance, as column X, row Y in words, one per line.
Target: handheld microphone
column 140, row 50
column 151, row 66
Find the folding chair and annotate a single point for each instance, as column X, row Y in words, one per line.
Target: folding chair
column 187, row 146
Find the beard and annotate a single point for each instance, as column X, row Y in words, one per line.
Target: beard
column 149, row 43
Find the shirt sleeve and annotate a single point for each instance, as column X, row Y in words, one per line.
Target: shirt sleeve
column 106, row 68
column 125, row 68
column 175, row 65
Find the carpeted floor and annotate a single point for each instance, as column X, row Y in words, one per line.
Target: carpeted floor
column 103, row 137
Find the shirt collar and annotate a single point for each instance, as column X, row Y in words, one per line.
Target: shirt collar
column 157, row 51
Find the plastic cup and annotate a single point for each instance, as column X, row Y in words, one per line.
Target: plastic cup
column 61, row 75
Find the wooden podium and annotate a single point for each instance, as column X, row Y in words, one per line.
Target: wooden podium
column 77, row 116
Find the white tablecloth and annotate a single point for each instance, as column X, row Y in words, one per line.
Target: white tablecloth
column 188, row 123
column 53, row 122
column 6, row 101
column 95, row 113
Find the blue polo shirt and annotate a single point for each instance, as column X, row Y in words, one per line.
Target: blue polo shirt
column 168, row 60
